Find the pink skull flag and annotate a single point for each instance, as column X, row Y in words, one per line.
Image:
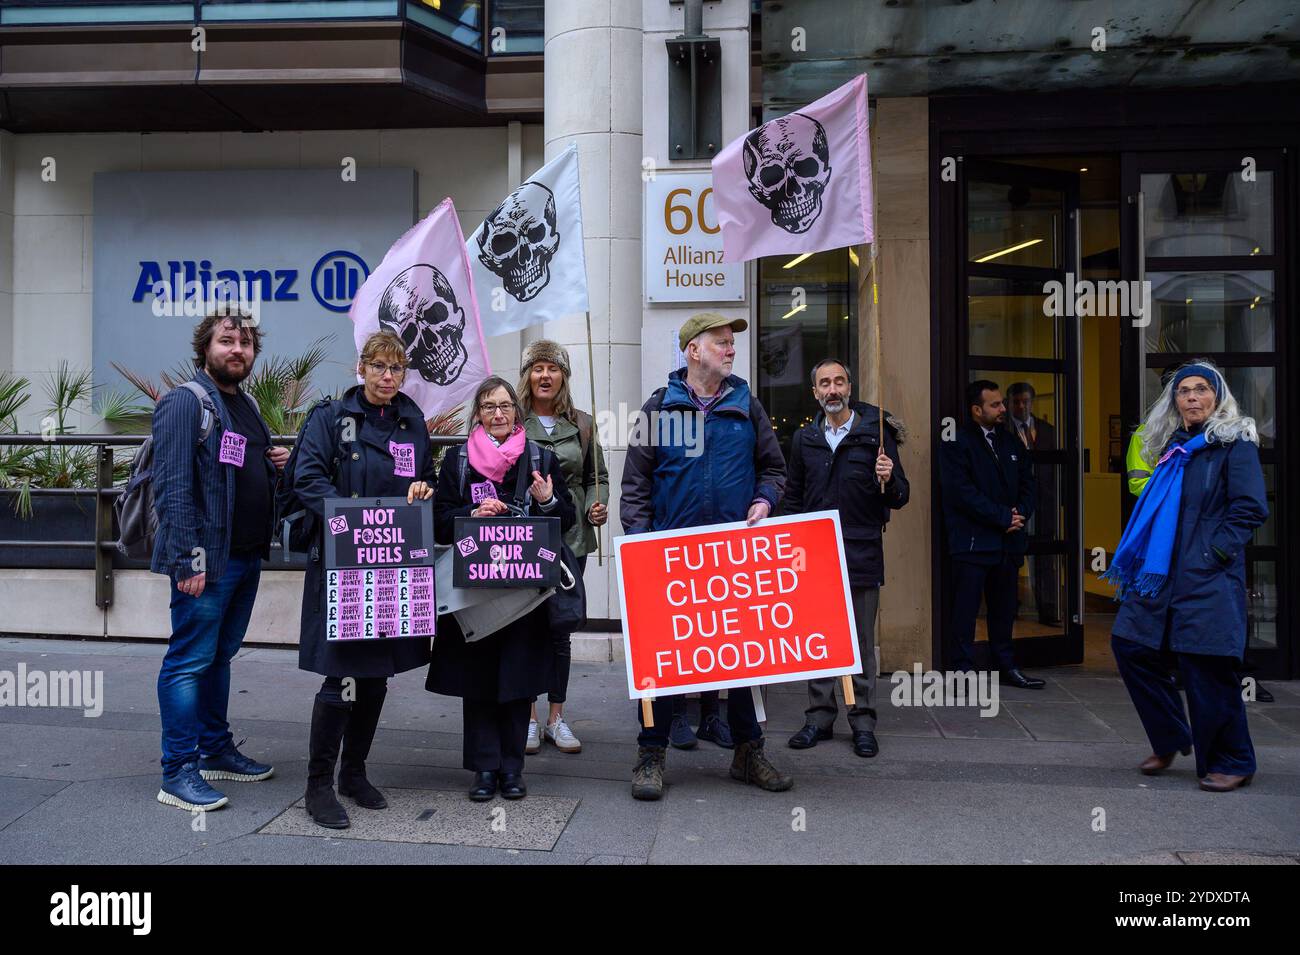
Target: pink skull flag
column 423, row 292
column 800, row 183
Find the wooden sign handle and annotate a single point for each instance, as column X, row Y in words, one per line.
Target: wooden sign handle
column 647, row 712
column 846, row 684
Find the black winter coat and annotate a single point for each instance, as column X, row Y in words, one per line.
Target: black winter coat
column 516, row 662
column 979, row 490
column 364, row 469
column 845, row 480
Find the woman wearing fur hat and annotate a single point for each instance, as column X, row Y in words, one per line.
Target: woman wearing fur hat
column 1180, row 569
column 551, row 420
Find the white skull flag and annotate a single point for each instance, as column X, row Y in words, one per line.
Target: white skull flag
column 527, row 256
column 423, row 292
column 800, row 183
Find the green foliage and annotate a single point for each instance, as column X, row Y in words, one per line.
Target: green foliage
column 280, row 386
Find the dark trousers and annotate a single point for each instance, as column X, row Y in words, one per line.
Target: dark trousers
column 1218, row 727
column 998, row 583
column 740, row 716
column 822, row 707
column 495, row 735
column 562, row 649
column 334, row 692
column 710, row 705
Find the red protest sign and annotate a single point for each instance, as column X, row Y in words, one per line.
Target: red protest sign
column 706, row 608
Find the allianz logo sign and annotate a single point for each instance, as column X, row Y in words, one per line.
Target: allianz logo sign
column 335, row 278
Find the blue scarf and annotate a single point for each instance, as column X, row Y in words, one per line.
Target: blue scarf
column 1141, row 561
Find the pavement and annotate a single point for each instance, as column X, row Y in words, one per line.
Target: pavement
column 1050, row 779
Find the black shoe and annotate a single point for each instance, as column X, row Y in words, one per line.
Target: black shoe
column 680, row 733
column 363, row 718
column 325, row 809
column 485, row 786
column 808, row 737
column 360, row 789
column 327, row 726
column 1017, row 679
column 512, row 786
column 864, row 743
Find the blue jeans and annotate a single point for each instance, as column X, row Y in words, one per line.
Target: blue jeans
column 194, row 682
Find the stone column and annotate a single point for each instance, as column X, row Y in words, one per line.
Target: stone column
column 593, row 98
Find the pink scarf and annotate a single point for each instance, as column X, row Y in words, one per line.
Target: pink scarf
column 494, row 461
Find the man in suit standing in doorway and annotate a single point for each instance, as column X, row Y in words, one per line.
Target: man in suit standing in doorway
column 988, row 489
column 1039, row 435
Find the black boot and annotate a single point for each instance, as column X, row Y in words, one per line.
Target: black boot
column 356, row 747
column 327, row 726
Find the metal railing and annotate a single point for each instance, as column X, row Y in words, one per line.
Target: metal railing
column 104, row 543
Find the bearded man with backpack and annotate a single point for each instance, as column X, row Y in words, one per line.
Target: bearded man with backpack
column 213, row 475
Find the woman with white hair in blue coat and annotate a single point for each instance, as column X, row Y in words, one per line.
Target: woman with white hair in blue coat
column 1180, row 569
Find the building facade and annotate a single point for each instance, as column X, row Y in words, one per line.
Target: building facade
column 1021, row 153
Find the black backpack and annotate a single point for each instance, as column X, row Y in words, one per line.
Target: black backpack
column 137, row 520
column 300, row 527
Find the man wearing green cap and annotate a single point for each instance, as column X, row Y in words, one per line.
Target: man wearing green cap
column 704, row 453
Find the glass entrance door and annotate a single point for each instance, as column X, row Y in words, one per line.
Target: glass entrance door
column 1018, row 262
column 1206, row 230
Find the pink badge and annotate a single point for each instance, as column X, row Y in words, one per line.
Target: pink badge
column 232, row 449
column 482, row 491
column 403, row 458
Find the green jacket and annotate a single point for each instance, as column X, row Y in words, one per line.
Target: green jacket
column 1137, row 469
column 579, row 475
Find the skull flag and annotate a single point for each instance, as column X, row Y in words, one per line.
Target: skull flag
column 527, row 256
column 423, row 292
column 800, row 183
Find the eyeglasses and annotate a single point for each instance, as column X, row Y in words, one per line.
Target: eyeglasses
column 1200, row 391
column 490, row 409
column 379, row 368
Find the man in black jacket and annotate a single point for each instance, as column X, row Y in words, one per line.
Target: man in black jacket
column 838, row 463
column 988, row 489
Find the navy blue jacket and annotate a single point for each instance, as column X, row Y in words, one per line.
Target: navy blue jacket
column 1202, row 606
column 193, row 492
column 979, row 491
column 845, row 480
column 678, row 474
column 365, row 468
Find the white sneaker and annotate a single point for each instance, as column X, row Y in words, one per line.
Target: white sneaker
column 563, row 738
column 534, row 744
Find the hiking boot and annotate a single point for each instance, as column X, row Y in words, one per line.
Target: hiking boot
column 750, row 765
column 648, row 774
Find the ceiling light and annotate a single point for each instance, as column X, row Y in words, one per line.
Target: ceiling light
column 1008, row 251
column 794, row 311
column 795, row 261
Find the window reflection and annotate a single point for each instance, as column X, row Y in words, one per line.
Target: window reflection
column 1208, row 214
column 807, row 312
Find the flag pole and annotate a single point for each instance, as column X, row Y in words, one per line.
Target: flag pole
column 595, row 438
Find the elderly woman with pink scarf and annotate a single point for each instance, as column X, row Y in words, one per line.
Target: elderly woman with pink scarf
column 500, row 675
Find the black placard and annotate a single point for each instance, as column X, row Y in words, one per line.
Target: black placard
column 506, row 552
column 379, row 581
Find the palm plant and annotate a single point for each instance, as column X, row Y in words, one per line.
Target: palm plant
column 52, row 465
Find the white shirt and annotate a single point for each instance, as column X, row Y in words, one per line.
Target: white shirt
column 835, row 435
column 548, row 422
column 988, row 439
